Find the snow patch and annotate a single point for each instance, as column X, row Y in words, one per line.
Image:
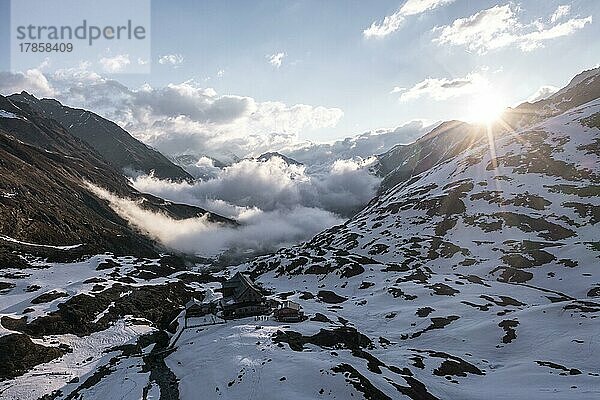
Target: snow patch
column 6, row 114
column 9, row 239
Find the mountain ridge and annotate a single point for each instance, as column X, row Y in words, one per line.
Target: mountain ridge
column 44, row 200
column 116, row 145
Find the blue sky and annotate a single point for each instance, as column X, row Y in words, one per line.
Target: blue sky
column 329, row 61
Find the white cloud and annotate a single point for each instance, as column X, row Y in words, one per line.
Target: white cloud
column 277, row 204
column 342, row 188
column 79, row 75
column 33, row 81
column 392, row 23
column 116, row 63
column 535, row 39
column 317, row 155
column 542, row 93
column 413, row 7
column 499, row 27
column 185, row 118
column 444, row 88
column 561, row 11
column 482, row 31
column 179, row 118
column 172, row 59
column 259, row 232
column 276, row 59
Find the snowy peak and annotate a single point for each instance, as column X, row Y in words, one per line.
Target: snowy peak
column 270, row 155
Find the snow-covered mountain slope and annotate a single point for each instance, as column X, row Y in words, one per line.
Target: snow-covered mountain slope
column 529, row 214
column 445, row 142
column 65, row 326
column 474, row 277
column 451, row 138
column 583, row 88
column 477, row 279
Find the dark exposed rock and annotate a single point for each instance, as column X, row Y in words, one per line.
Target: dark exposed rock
column 583, row 306
column 339, row 338
column 306, row 296
column 424, row 311
column 6, row 286
column 330, row 297
column 510, row 274
column 480, row 307
column 436, row 323
column 397, row 292
column 18, row 354
column 360, row 383
column 48, row 297
column 594, row 292
column 585, row 210
column 108, row 264
column 366, row 285
column 443, row 289
column 550, row 364
column 509, row 329
column 504, row 301
column 158, row 303
column 320, row 318
column 9, row 259
column 457, row 368
column 452, row 365
column 530, row 259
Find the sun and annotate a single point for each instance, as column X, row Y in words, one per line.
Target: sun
column 486, row 108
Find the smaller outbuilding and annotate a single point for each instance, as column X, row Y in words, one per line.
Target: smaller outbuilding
column 289, row 311
column 195, row 308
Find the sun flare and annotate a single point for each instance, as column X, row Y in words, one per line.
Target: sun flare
column 486, row 108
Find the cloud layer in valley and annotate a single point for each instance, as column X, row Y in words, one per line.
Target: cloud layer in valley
column 276, row 203
column 273, row 184
column 259, row 231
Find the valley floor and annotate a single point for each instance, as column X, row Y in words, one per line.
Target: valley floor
column 419, row 335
